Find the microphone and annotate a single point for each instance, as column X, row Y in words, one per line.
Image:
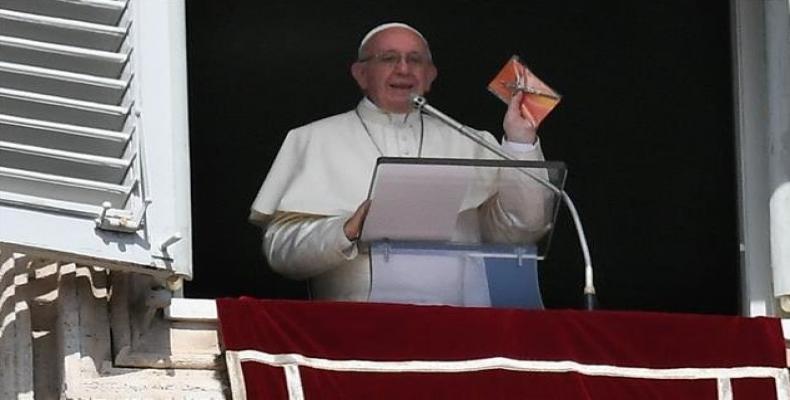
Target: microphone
column 421, row 105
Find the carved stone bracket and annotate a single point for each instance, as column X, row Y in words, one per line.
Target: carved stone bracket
column 78, row 332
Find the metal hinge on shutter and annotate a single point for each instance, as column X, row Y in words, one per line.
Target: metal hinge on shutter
column 68, row 140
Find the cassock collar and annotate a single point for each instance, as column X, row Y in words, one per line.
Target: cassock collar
column 375, row 115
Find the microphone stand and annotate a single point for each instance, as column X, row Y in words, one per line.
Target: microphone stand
column 422, row 105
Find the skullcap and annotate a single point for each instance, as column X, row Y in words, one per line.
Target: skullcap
column 384, row 27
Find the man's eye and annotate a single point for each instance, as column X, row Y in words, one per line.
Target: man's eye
column 390, row 58
column 415, row 59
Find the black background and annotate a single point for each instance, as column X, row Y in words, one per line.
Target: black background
column 645, row 127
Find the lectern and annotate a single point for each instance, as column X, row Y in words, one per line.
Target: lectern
column 459, row 231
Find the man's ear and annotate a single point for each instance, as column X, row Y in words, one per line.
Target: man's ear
column 430, row 76
column 359, row 72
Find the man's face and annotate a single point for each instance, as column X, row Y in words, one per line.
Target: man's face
column 395, row 63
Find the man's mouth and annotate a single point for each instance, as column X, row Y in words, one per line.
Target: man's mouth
column 402, row 86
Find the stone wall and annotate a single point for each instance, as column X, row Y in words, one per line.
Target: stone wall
column 78, row 332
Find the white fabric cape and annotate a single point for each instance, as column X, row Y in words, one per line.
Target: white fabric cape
column 325, row 168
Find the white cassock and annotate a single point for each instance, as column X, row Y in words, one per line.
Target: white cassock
column 322, row 174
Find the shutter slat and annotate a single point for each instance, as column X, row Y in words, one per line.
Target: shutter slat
column 61, row 31
column 51, row 205
column 67, row 58
column 63, row 110
column 63, row 188
column 79, row 165
column 63, row 136
column 61, row 83
column 107, row 12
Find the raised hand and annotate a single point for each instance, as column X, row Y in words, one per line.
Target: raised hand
column 519, row 124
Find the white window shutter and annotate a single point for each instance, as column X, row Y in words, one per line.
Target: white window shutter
column 94, row 153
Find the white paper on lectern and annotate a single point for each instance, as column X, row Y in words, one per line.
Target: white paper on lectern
column 416, row 202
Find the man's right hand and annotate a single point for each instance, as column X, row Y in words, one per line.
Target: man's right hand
column 353, row 227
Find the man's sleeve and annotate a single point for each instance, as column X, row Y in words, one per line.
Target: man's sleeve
column 519, row 211
column 301, row 246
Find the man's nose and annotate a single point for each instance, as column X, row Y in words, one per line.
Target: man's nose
column 403, row 64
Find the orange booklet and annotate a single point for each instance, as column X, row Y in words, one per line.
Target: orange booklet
column 539, row 99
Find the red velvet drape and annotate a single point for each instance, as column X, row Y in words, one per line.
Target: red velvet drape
column 388, row 332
